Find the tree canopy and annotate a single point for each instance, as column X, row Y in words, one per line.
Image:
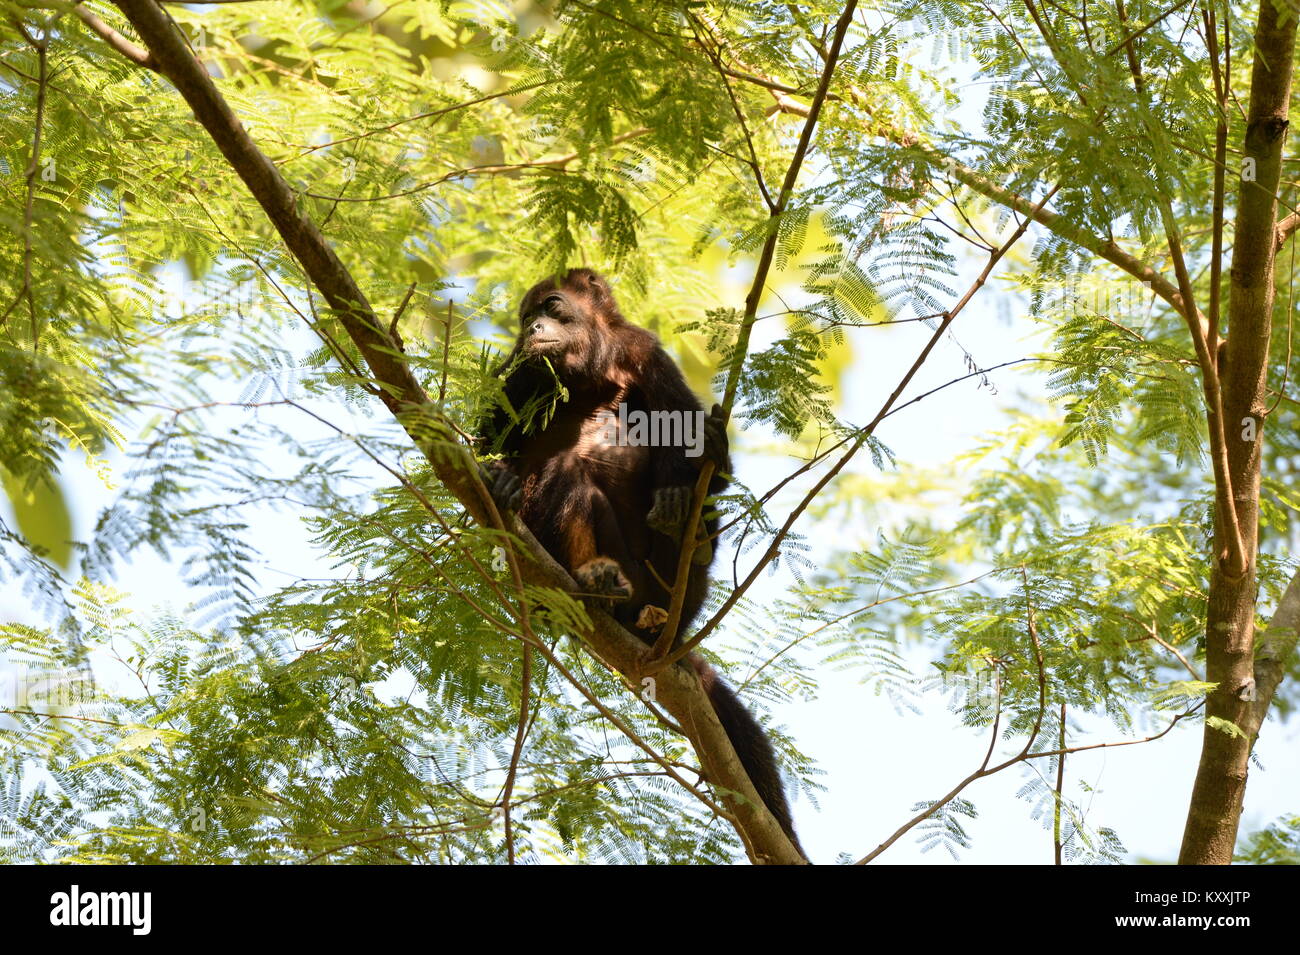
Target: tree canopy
column 261, row 257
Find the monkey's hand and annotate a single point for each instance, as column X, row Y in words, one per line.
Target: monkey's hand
column 602, row 579
column 716, row 446
column 669, row 511
column 503, row 484
column 668, row 515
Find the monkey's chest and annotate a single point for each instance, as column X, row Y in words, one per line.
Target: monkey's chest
column 588, row 449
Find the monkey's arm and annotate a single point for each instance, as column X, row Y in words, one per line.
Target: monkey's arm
column 499, row 432
column 503, row 484
column 673, row 473
column 661, row 387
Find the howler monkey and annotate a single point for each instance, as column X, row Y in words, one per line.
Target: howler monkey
column 601, row 443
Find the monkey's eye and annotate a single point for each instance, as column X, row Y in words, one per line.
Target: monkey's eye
column 551, row 301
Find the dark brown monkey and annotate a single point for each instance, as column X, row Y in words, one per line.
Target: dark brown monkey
column 606, row 503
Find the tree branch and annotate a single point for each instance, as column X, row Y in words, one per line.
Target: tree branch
column 984, row 770
column 1214, row 812
column 1287, row 227
column 132, row 51
column 1276, row 645
column 1053, row 221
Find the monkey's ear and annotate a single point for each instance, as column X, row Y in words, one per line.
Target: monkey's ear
column 598, row 289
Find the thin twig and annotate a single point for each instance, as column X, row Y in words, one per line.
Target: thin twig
column 1141, row 30
column 1060, row 795
column 711, row 51
column 446, row 352
column 525, row 687
column 132, row 51
column 984, row 769
column 397, row 315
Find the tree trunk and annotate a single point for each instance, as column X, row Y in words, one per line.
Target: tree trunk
column 1211, row 831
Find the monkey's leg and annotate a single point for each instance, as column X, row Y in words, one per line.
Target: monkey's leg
column 588, row 539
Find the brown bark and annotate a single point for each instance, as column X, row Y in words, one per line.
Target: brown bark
column 1212, row 819
column 1275, row 648
column 678, row 689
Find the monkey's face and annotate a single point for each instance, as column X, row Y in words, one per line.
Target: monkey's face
column 556, row 326
column 561, row 326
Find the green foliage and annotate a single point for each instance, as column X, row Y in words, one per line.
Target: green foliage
column 364, row 709
column 944, row 826
column 1276, row 844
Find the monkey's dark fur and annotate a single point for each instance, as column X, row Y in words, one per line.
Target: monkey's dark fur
column 607, row 511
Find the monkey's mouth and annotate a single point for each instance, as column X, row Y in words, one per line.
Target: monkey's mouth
column 543, row 344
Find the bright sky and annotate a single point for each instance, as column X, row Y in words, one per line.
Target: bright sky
column 880, row 761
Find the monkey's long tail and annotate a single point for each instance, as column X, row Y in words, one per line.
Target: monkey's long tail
column 751, row 745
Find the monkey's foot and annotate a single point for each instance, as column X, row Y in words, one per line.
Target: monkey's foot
column 503, row 484
column 602, row 578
